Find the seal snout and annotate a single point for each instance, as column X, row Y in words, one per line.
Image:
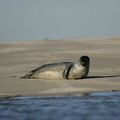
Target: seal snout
column 84, row 60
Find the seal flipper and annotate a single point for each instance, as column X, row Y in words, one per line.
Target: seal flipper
column 66, row 71
column 28, row 76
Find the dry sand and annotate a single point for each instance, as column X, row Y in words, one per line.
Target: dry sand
column 16, row 59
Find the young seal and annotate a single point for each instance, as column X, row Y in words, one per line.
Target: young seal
column 63, row 70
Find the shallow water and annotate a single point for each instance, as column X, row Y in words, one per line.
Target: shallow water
column 97, row 106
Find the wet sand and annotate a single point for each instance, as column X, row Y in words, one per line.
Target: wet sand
column 18, row 58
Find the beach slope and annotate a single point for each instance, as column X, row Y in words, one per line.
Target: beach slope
column 16, row 59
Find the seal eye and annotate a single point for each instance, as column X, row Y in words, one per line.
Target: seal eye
column 84, row 60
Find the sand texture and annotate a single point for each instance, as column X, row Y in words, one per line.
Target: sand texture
column 16, row 59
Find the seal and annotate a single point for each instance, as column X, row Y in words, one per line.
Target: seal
column 62, row 70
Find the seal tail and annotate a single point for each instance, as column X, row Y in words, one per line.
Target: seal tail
column 27, row 76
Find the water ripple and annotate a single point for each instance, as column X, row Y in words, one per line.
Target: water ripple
column 97, row 106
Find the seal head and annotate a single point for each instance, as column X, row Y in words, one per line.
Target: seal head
column 84, row 60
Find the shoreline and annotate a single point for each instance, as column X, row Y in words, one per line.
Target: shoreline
column 94, row 38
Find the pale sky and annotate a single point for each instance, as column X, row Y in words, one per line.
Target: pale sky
column 58, row 19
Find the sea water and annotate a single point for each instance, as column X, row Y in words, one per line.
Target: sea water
column 97, row 106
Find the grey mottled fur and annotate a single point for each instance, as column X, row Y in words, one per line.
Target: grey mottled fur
column 65, row 70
